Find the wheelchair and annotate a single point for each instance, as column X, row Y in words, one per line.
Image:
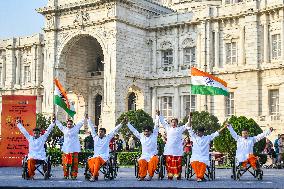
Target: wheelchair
column 238, row 171
column 160, row 171
column 109, row 169
column 210, row 170
column 39, row 163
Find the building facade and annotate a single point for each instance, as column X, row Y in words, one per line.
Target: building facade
column 116, row 55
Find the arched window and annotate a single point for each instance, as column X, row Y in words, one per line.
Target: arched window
column 132, row 101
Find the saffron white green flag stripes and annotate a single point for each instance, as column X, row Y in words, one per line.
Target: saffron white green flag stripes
column 60, row 98
column 206, row 84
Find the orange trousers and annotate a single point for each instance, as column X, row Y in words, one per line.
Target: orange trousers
column 150, row 166
column 199, row 169
column 32, row 167
column 70, row 160
column 251, row 160
column 95, row 164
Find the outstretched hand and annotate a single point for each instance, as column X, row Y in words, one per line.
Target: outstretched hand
column 125, row 120
column 18, row 120
column 158, row 112
column 53, row 118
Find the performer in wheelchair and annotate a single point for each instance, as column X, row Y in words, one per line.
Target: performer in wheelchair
column 200, row 150
column 71, row 147
column 101, row 148
column 149, row 159
column 36, row 148
column 174, row 148
column 245, row 143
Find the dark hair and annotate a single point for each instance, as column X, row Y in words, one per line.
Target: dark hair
column 176, row 119
column 201, row 129
column 147, row 127
column 69, row 120
column 103, row 129
column 245, row 129
column 36, row 129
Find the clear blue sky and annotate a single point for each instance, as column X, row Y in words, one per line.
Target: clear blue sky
column 19, row 18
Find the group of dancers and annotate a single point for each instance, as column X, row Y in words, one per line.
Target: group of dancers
column 173, row 151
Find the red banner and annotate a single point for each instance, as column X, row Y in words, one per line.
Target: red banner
column 13, row 145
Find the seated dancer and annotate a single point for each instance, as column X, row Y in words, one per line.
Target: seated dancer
column 245, row 143
column 174, row 147
column 149, row 159
column 71, row 147
column 200, row 150
column 36, row 147
column 101, row 148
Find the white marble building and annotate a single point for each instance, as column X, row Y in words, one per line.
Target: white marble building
column 116, row 55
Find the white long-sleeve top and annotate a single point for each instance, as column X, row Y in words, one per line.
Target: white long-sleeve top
column 101, row 145
column 245, row 146
column 201, row 145
column 149, row 144
column 174, row 145
column 71, row 142
column 36, row 145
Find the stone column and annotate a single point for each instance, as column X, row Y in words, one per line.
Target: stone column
column 217, row 48
column 176, row 50
column 265, row 41
column 182, row 114
column 241, row 56
column 18, row 66
column 282, row 33
column 154, row 101
column 176, row 103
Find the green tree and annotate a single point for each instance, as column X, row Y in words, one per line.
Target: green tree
column 42, row 123
column 225, row 142
column 204, row 119
column 138, row 119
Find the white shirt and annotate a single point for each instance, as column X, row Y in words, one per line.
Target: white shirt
column 71, row 142
column 245, row 146
column 174, row 144
column 149, row 144
column 101, row 145
column 201, row 145
column 36, row 145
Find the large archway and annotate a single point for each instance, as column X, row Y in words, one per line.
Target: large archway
column 82, row 62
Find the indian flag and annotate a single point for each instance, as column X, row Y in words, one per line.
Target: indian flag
column 60, row 98
column 206, row 84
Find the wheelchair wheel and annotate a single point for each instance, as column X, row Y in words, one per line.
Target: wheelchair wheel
column 212, row 170
column 47, row 174
column 238, row 175
column 161, row 168
column 136, row 168
column 187, row 167
column 87, row 171
column 25, row 168
column 259, row 174
column 108, row 171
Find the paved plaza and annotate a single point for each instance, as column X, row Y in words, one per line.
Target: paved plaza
column 11, row 177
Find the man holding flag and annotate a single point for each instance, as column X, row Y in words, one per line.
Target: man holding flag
column 71, row 145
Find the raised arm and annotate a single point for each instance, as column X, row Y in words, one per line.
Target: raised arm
column 80, row 124
column 59, row 125
column 23, row 130
column 163, row 122
column 233, row 133
column 213, row 135
column 262, row 135
column 133, row 130
column 91, row 127
column 48, row 131
column 114, row 131
column 156, row 126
